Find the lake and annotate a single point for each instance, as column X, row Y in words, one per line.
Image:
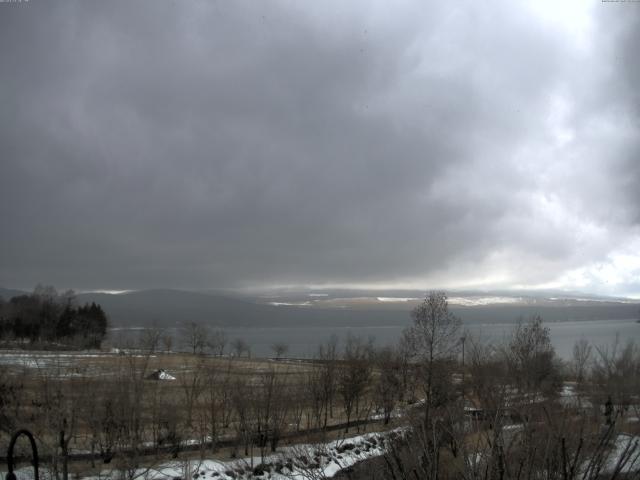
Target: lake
column 304, row 341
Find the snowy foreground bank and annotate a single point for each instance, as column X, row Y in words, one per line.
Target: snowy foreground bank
column 324, row 460
column 303, row 461
column 296, row 462
column 624, row 456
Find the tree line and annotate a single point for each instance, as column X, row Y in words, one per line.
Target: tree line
column 46, row 318
column 500, row 411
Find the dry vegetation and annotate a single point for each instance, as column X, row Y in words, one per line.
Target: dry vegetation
column 92, row 410
column 510, row 411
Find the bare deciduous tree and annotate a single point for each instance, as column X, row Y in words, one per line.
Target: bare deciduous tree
column 195, row 337
column 354, row 375
column 167, row 342
column 531, row 359
column 240, row 346
column 581, row 356
column 433, row 340
column 279, row 349
column 616, row 375
column 388, row 382
column 217, row 342
column 150, row 338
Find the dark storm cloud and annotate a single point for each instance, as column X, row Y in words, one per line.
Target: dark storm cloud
column 627, row 62
column 228, row 144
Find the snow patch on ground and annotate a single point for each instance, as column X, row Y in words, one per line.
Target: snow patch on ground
column 477, row 301
column 620, row 453
column 397, row 299
column 569, row 397
column 293, row 462
column 40, row 359
column 290, row 304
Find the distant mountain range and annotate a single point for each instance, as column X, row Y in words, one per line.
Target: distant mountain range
column 7, row 293
column 167, row 308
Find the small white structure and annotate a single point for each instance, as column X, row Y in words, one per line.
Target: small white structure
column 161, row 375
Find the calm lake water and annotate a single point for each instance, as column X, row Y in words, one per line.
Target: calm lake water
column 304, row 341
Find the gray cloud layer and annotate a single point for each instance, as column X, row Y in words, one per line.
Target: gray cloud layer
column 202, row 144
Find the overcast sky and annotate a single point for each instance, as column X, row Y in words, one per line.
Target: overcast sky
column 450, row 144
